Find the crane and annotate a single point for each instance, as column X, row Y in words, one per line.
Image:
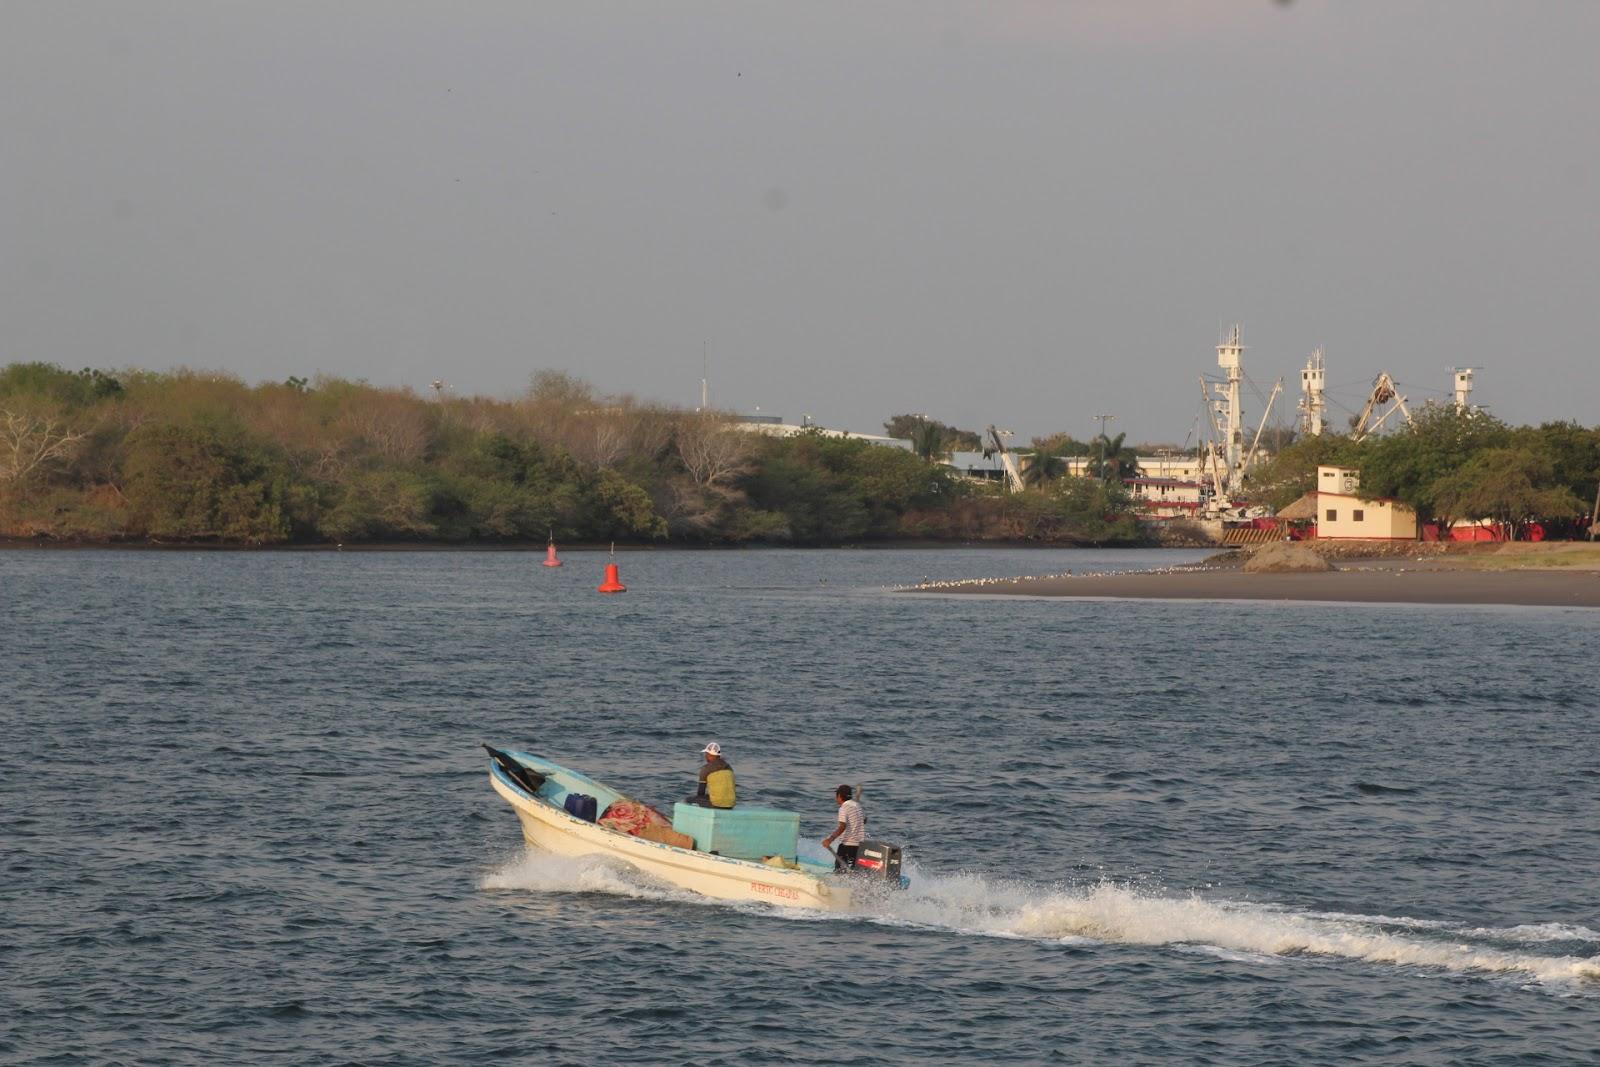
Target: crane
column 1013, row 476
column 1255, row 442
column 1227, row 478
column 1383, row 392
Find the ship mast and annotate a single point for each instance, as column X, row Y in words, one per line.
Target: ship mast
column 1463, row 387
column 1313, row 380
column 1229, row 457
column 1230, row 357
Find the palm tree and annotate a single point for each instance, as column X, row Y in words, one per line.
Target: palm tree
column 1112, row 460
column 927, row 440
column 1042, row 467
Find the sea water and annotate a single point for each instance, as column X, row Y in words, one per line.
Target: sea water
column 244, row 817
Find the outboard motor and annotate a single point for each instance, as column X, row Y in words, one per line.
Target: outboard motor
column 879, row 859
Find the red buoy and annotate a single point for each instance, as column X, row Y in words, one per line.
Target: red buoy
column 613, row 582
column 550, row 559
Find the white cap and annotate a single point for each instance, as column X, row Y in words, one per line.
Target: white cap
column 713, row 749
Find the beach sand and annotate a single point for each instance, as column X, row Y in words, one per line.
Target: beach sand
column 1377, row 583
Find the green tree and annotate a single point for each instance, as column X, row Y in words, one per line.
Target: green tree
column 927, row 440
column 1040, row 468
column 199, row 483
column 1572, row 450
column 1511, row 486
column 1411, row 465
column 1062, row 444
column 1292, row 472
column 73, row 389
column 1112, row 461
column 950, row 439
column 379, row 505
column 1073, row 510
column 623, row 509
column 801, row 478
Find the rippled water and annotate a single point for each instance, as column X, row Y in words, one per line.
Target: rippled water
column 243, row 815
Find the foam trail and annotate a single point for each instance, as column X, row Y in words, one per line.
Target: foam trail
column 1529, row 933
column 543, row 872
column 1117, row 913
column 1536, row 933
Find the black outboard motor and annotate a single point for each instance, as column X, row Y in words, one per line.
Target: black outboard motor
column 879, row 859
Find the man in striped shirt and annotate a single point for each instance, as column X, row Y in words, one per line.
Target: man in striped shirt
column 851, row 831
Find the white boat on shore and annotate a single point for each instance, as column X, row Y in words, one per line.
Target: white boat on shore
column 546, row 824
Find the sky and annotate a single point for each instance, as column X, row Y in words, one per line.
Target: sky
column 1018, row 212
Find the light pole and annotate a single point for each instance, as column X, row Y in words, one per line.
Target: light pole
column 1103, row 420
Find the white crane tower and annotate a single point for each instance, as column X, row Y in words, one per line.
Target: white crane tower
column 1463, row 386
column 997, row 443
column 1229, row 459
column 1230, row 357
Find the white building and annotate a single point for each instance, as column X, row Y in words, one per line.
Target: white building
column 1344, row 512
column 774, row 426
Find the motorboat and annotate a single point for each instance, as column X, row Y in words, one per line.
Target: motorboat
column 744, row 853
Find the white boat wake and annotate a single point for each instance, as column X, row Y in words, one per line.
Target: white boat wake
column 543, row 872
column 1115, row 913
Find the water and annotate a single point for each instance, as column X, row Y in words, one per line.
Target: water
column 243, row 815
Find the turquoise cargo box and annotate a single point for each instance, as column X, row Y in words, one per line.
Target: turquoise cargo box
column 740, row 833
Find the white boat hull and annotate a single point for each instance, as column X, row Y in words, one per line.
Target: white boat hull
column 547, row 827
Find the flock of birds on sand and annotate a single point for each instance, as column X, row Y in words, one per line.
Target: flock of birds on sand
column 928, row 584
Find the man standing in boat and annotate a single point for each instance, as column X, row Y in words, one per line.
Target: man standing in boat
column 716, row 780
column 851, row 831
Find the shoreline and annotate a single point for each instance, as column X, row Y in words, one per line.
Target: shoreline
column 22, row 544
column 1375, row 584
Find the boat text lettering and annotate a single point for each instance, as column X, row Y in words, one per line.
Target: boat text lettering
column 774, row 891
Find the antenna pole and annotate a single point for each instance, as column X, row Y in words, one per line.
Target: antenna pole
column 705, row 375
column 1103, row 420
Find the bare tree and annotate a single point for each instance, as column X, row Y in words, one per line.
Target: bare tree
column 652, row 431
column 712, row 451
column 608, row 440
column 604, row 436
column 29, row 442
column 391, row 424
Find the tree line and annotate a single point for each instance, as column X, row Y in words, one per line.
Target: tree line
column 1451, row 465
column 186, row 456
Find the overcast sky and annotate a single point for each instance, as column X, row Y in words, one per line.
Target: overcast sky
column 1024, row 213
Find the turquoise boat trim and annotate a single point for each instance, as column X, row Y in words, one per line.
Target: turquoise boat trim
column 559, row 781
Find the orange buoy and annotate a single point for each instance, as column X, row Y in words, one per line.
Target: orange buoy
column 550, row 559
column 613, row 582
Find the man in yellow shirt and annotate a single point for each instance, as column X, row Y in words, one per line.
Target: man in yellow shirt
column 716, row 780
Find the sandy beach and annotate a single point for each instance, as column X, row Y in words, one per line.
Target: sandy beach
column 1374, row 586
column 1533, row 576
